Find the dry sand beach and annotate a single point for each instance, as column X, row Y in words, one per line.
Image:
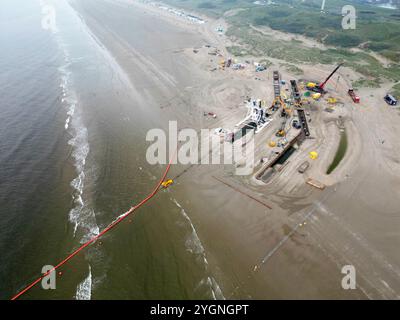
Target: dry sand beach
column 294, row 241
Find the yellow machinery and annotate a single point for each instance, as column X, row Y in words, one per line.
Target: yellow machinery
column 316, row 96
column 305, row 101
column 286, row 112
column 331, row 100
column 283, row 105
column 167, row 183
column 330, row 109
column 281, row 133
column 320, row 87
column 272, row 144
column 313, row 155
column 277, row 99
column 299, row 104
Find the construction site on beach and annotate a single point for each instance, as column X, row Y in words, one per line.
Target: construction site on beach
column 285, row 124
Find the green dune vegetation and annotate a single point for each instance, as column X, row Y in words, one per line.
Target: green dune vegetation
column 396, row 91
column 377, row 31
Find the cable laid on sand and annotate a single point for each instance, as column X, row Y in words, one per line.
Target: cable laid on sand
column 108, row 228
column 245, row 194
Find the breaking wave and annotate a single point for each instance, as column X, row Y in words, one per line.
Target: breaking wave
column 84, row 289
column 194, row 245
column 81, row 215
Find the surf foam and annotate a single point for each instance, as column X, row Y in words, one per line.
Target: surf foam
column 194, row 245
column 84, row 289
column 82, row 216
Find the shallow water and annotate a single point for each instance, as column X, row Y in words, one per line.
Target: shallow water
column 73, row 158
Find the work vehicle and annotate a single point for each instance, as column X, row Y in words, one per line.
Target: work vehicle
column 281, row 132
column 167, row 183
column 303, row 167
column 296, row 124
column 353, row 96
column 390, row 100
column 319, row 88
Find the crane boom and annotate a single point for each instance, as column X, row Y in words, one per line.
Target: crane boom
column 322, row 85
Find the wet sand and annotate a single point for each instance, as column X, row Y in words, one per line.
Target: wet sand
column 253, row 251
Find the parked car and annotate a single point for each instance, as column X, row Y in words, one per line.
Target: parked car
column 304, row 166
column 390, row 100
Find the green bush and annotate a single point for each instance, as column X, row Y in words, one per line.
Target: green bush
column 207, row 5
column 343, row 40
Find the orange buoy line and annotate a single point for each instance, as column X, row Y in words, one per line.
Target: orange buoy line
column 108, row 228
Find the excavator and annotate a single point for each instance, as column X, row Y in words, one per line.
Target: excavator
column 285, row 113
column 281, row 132
column 319, row 88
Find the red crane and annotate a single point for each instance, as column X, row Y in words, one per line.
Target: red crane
column 320, row 87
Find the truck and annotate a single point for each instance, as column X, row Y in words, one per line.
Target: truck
column 390, row 100
column 303, row 167
column 353, row 96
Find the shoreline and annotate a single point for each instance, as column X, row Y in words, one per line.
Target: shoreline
column 237, row 233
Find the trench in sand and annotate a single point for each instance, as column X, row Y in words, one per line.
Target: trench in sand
column 340, row 153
